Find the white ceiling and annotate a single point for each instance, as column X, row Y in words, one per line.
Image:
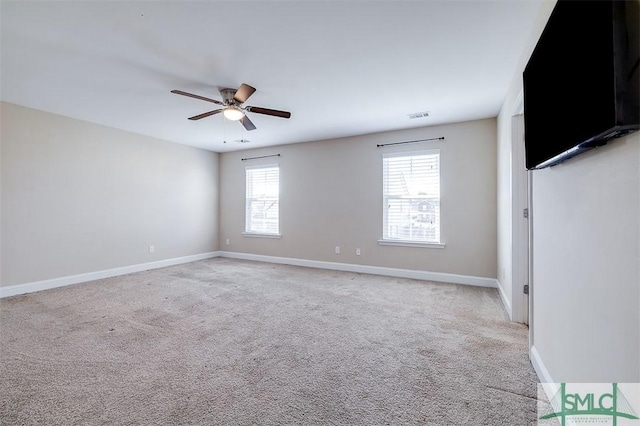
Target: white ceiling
column 342, row 68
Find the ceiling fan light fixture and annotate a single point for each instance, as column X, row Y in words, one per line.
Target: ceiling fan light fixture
column 233, row 113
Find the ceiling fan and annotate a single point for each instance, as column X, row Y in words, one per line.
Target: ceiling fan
column 232, row 101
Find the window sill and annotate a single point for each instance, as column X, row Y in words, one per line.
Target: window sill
column 258, row 235
column 404, row 243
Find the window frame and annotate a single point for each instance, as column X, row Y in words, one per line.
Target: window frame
column 386, row 240
column 252, row 233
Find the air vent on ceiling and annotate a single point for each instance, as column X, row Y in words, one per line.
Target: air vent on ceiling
column 418, row 115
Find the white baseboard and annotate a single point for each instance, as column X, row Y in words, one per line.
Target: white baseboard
column 15, row 290
column 348, row 267
column 548, row 384
column 505, row 301
column 365, row 269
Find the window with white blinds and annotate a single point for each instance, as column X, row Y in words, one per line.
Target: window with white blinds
column 262, row 214
column 411, row 192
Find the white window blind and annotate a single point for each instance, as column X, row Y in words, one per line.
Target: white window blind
column 262, row 214
column 411, row 192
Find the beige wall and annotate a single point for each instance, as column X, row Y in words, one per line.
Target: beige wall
column 79, row 197
column 587, row 265
column 586, row 252
column 331, row 195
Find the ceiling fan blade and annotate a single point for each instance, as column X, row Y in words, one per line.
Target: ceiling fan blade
column 267, row 111
column 206, row 114
column 243, row 93
column 191, row 95
column 248, row 124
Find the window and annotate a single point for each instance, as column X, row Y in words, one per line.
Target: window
column 262, row 200
column 411, row 192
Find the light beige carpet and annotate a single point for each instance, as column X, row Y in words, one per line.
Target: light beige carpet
column 234, row 342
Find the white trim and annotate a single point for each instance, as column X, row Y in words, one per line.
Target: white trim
column 14, row 290
column 419, row 152
column 269, row 165
column 530, row 259
column 404, row 243
column 519, row 225
column 348, row 267
column 259, row 235
column 550, row 387
column 366, row 269
column 518, row 104
column 505, row 301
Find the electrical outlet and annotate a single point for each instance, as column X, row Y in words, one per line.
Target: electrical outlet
column 358, row 252
column 337, row 249
column 227, row 241
column 152, row 249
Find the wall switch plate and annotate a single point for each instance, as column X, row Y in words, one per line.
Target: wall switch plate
column 337, row 249
column 152, row 249
column 358, row 252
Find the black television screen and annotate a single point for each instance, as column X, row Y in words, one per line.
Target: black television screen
column 581, row 83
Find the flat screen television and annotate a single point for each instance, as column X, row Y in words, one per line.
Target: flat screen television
column 581, row 84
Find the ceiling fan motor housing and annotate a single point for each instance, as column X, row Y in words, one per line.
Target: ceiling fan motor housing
column 227, row 96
